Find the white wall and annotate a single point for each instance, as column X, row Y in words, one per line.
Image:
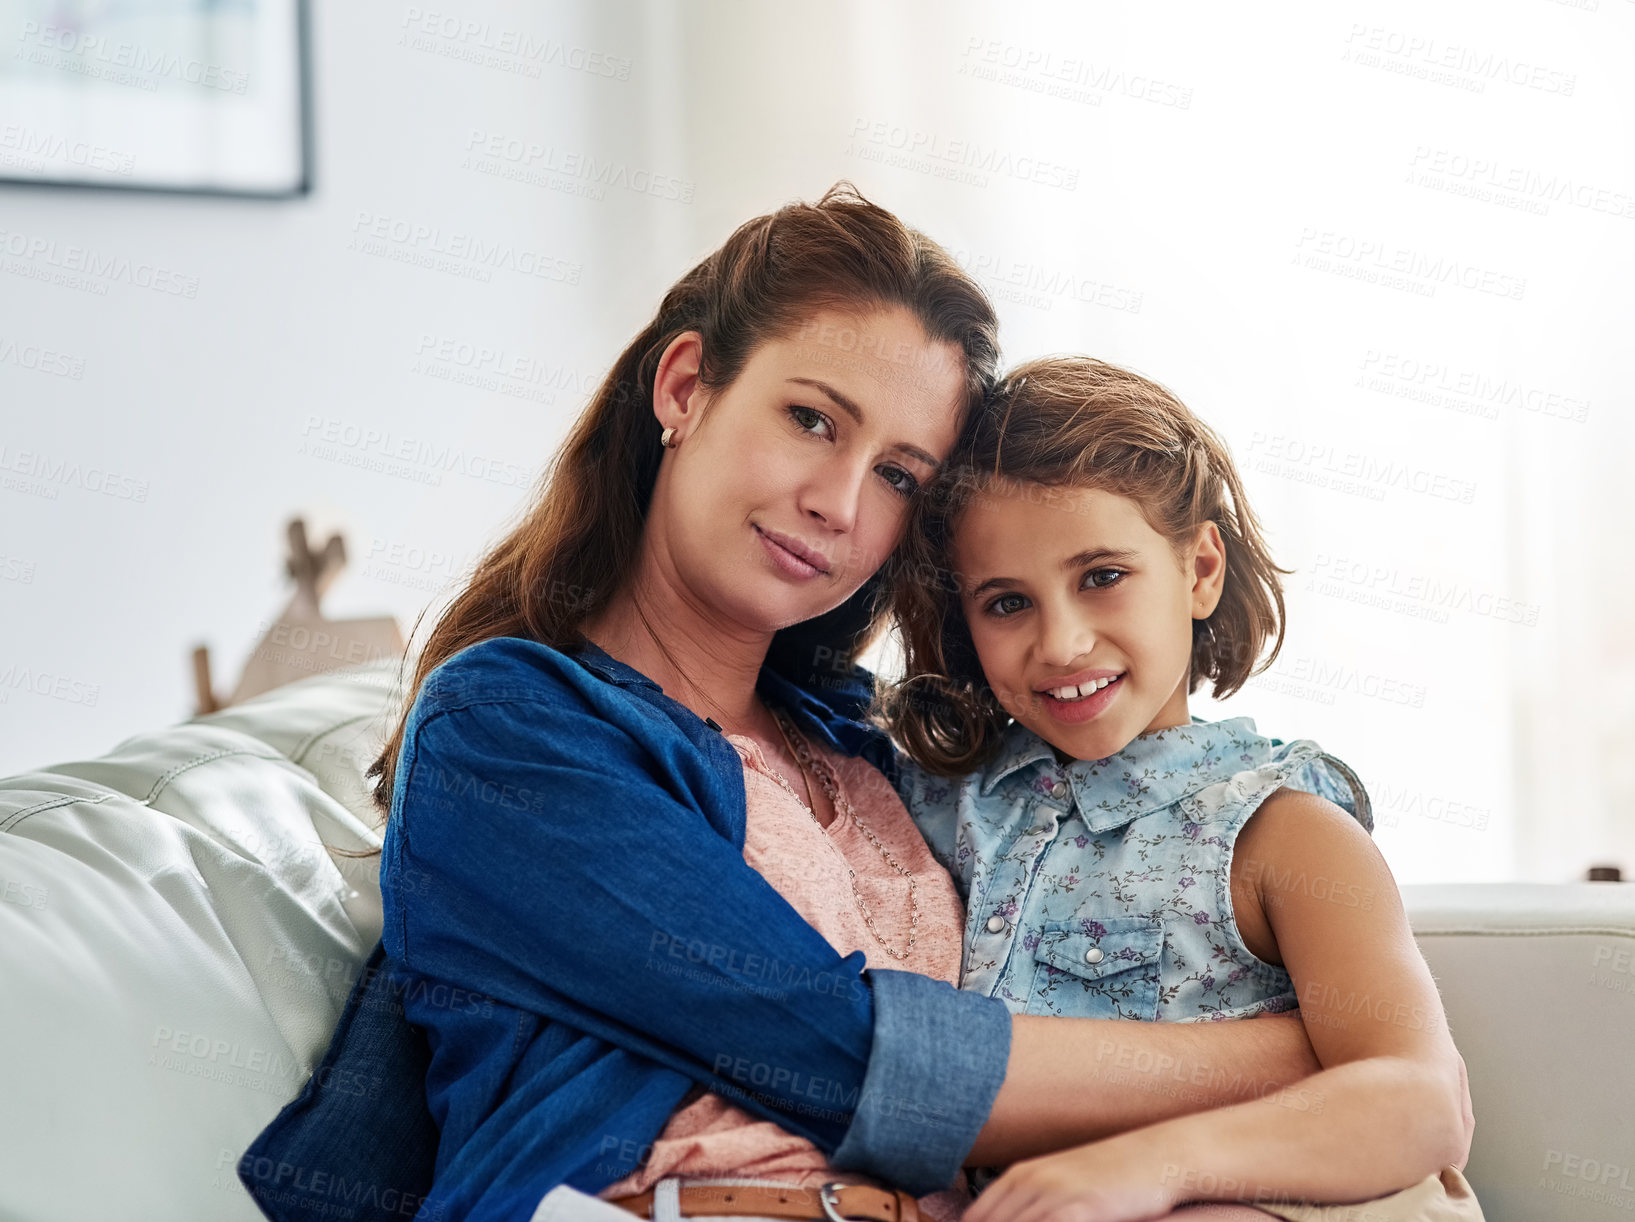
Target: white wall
column 1217, row 200
column 300, row 329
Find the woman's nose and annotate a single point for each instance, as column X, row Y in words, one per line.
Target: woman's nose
column 834, row 494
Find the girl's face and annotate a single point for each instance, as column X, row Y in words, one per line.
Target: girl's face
column 1082, row 613
column 791, row 486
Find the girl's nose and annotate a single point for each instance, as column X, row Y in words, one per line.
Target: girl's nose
column 1064, row 638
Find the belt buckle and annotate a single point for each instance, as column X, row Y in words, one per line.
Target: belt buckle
column 828, row 1198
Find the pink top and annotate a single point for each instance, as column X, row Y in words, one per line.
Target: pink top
column 806, row 862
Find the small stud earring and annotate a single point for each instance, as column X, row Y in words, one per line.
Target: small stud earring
column 666, row 438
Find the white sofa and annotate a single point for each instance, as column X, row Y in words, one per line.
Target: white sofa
column 176, row 945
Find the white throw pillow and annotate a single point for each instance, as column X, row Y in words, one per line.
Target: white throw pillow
column 176, row 945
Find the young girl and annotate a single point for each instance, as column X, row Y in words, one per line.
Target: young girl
column 1084, row 562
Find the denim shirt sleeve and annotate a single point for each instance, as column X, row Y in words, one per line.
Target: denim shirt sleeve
column 931, row 1043
column 558, row 859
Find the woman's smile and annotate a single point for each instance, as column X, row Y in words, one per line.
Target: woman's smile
column 791, row 556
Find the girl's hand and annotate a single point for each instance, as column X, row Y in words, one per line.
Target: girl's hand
column 1120, row 1179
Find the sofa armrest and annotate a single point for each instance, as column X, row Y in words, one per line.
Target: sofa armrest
column 1538, row 981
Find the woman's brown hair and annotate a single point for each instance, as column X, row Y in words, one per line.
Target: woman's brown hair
column 578, row 543
column 1054, row 423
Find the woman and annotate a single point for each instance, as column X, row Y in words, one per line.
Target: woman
column 566, row 892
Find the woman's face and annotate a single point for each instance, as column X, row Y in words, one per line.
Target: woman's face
column 790, row 487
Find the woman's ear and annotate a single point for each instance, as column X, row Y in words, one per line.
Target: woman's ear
column 675, row 382
column 1208, row 571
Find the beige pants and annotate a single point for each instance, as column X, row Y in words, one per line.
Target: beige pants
column 1446, row 1197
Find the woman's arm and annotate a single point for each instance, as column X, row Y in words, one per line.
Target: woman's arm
column 552, row 847
column 1391, row 1105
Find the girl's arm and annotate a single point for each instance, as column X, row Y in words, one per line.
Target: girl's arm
column 1073, row 1080
column 1391, row 1104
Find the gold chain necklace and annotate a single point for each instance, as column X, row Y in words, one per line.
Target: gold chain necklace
column 819, row 768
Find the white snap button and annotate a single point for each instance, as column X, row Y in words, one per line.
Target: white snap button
column 1093, row 955
column 1058, row 789
column 995, row 923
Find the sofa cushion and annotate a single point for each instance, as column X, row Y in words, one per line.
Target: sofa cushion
column 177, row 943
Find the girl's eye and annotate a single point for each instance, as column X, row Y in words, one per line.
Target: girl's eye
column 809, row 418
column 1101, row 579
column 1005, row 604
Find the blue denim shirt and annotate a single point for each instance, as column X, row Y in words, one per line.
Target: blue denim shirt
column 571, row 920
column 1103, row 889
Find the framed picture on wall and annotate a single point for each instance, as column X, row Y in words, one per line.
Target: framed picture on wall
column 201, row 96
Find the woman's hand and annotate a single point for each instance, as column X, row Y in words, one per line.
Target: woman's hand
column 1121, row 1179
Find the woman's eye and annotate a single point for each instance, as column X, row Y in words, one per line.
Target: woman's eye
column 900, row 480
column 1100, row 579
column 808, row 418
column 1006, row 604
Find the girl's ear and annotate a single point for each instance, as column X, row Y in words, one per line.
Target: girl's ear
column 675, row 381
column 1208, row 571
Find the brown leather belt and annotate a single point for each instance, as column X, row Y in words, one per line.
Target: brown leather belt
column 836, row 1202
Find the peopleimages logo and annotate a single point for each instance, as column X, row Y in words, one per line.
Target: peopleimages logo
column 1468, row 391
column 94, row 55
column 956, row 159
column 1490, row 181
column 93, row 267
column 49, row 473
column 41, row 360
column 481, row 43
column 1590, row 1179
column 420, row 459
column 546, row 165
column 1069, row 78
column 432, row 246
column 33, row 143
column 324, row 1193
column 24, row 678
column 1040, row 285
column 1376, row 261
column 1392, row 588
column 1341, row 469
column 1449, row 63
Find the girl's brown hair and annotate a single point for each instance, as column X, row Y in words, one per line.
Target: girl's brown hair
column 579, row 541
column 1054, row 423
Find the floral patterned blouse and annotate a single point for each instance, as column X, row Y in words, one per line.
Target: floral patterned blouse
column 1102, row 889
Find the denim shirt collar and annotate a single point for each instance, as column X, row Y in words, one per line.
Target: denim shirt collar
column 1155, row 770
column 836, row 717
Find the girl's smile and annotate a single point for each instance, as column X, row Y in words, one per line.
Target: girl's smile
column 1085, row 697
